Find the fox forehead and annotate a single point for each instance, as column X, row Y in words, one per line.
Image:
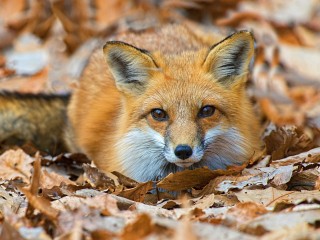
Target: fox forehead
column 179, row 93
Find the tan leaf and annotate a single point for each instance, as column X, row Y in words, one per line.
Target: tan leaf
column 280, row 176
column 299, row 231
column 271, row 196
column 244, row 212
column 10, row 200
column 205, row 202
column 277, row 221
column 16, row 164
column 10, row 232
column 212, row 186
column 52, row 179
column 185, row 231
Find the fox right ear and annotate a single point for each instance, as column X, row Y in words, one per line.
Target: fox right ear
column 228, row 61
column 131, row 67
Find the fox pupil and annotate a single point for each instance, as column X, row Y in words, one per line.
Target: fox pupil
column 206, row 111
column 159, row 115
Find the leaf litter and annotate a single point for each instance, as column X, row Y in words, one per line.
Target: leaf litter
column 274, row 196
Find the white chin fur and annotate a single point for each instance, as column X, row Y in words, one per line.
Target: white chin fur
column 184, row 164
column 225, row 148
column 141, row 152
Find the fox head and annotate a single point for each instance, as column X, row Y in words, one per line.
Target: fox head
column 186, row 110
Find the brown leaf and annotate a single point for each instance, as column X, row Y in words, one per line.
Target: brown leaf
column 312, row 156
column 299, row 231
column 125, row 181
column 98, row 179
column 9, row 232
column 102, row 235
column 15, row 164
column 284, row 220
column 10, row 200
column 286, row 141
column 35, row 182
column 9, row 9
column 317, row 184
column 270, row 197
column 52, row 179
column 41, row 204
column 139, row 229
column 236, row 18
column 282, row 114
column 193, row 178
column 109, row 12
column 305, row 180
column 185, row 230
column 205, row 202
column 211, row 187
column 244, row 212
column 137, row 193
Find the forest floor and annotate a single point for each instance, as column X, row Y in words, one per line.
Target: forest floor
column 43, row 49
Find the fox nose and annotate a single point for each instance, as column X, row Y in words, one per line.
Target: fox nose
column 183, row 151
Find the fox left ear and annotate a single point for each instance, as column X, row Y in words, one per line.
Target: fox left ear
column 229, row 59
column 131, row 67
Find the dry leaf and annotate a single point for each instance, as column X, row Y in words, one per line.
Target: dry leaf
column 35, row 182
column 286, row 141
column 270, row 197
column 192, row 178
column 242, row 213
column 139, row 229
column 311, row 156
column 137, row 193
column 299, row 231
column 52, row 179
column 98, row 179
column 277, row 221
column 16, row 164
column 280, row 176
column 41, row 204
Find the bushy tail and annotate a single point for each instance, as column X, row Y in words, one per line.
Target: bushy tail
column 36, row 118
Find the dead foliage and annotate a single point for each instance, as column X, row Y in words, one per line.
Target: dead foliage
column 275, row 196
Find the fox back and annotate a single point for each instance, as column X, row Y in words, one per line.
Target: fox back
column 157, row 102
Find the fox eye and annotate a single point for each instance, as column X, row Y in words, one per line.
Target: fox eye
column 206, row 111
column 159, row 115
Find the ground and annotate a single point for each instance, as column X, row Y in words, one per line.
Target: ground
column 44, row 46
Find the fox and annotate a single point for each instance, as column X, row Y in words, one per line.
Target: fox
column 158, row 102
column 33, row 118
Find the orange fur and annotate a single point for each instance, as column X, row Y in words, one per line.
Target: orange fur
column 182, row 72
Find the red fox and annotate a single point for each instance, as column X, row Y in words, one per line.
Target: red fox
column 179, row 104
column 158, row 102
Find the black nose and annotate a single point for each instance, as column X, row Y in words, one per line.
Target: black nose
column 183, row 151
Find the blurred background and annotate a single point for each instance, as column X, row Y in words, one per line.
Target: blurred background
column 45, row 44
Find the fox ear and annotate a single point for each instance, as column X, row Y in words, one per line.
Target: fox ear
column 230, row 58
column 130, row 66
